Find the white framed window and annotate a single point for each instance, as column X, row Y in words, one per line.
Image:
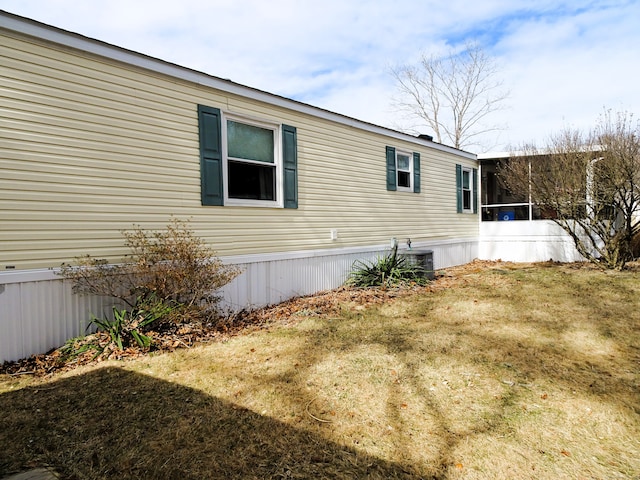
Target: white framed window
column 252, row 165
column 466, row 186
column 404, row 171
column 246, row 161
column 467, row 190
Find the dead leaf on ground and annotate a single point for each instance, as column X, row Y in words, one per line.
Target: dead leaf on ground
column 326, row 303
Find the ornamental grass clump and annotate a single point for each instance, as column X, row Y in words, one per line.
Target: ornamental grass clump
column 387, row 271
column 127, row 327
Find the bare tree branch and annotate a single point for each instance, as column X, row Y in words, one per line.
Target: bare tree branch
column 452, row 95
column 589, row 184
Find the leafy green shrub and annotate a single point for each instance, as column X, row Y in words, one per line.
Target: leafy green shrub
column 169, row 276
column 389, row 270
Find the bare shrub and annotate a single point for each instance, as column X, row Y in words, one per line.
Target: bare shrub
column 590, row 181
column 172, row 267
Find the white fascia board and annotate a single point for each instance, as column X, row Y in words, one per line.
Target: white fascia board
column 496, row 155
column 328, row 252
column 522, row 153
column 44, row 274
column 8, row 277
column 52, row 34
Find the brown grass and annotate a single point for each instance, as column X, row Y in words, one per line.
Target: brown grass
column 494, row 371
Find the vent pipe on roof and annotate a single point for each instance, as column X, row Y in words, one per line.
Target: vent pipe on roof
column 424, row 136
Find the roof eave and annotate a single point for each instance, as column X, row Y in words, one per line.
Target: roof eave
column 26, row 26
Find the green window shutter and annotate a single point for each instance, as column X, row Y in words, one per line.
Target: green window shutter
column 290, row 166
column 211, row 189
column 459, row 188
column 475, row 190
column 391, row 169
column 416, row 172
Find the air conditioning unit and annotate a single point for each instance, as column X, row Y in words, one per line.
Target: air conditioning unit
column 424, row 258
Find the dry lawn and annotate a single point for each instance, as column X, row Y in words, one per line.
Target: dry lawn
column 494, row 371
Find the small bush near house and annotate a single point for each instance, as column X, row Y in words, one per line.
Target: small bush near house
column 170, row 277
column 390, row 270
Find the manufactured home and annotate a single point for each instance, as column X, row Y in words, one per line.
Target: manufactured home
column 95, row 139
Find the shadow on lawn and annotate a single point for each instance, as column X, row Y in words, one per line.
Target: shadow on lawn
column 152, row 428
column 539, row 353
column 113, row 423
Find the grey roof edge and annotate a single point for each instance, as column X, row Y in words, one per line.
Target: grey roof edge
column 33, row 28
column 496, row 155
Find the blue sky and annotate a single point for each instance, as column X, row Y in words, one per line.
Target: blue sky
column 562, row 61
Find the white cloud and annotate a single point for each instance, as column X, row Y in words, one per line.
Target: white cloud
column 563, row 62
column 565, row 69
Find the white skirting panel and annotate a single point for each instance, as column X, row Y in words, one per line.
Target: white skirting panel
column 526, row 241
column 270, row 279
column 39, row 312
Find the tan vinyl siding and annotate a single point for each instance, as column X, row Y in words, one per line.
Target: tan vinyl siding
column 91, row 146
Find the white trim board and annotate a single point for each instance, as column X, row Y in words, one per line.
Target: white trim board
column 44, row 274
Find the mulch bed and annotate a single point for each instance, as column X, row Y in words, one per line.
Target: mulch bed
column 187, row 335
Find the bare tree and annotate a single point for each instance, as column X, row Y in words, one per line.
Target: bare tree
column 452, row 94
column 589, row 184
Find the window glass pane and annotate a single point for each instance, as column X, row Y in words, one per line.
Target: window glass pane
column 506, row 213
column 494, row 190
column 466, row 199
column 252, row 181
column 249, row 142
column 404, row 179
column 403, row 162
column 465, row 179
